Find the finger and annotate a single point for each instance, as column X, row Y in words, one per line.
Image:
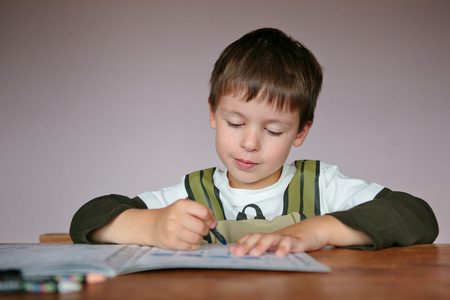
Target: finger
column 200, row 212
column 194, row 247
column 190, row 237
column 182, row 240
column 290, row 244
column 177, row 244
column 212, row 222
column 300, row 245
column 232, row 249
column 238, row 246
column 197, row 209
column 267, row 242
column 194, row 225
column 284, row 246
column 246, row 243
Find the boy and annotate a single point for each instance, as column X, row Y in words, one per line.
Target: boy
column 264, row 88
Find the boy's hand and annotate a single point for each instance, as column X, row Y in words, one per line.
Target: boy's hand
column 181, row 225
column 308, row 235
column 256, row 244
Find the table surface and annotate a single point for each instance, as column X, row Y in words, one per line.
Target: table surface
column 395, row 273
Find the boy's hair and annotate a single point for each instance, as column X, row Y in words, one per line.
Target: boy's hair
column 268, row 63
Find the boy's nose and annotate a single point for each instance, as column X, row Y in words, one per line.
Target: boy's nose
column 250, row 140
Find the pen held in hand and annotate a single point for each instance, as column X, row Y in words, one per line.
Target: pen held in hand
column 216, row 232
column 219, row 236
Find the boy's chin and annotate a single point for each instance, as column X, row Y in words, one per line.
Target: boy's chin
column 250, row 182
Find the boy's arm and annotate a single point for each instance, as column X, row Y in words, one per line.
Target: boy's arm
column 391, row 219
column 98, row 213
column 118, row 219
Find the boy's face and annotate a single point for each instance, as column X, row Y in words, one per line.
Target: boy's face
column 253, row 140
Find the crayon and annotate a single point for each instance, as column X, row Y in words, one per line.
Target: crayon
column 51, row 286
column 90, row 278
column 10, row 281
column 60, row 283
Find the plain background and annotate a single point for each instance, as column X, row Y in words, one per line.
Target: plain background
column 100, row 97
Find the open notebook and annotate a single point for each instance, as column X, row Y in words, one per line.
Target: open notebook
column 113, row 260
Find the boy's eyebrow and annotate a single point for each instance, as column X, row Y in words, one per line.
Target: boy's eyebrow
column 231, row 112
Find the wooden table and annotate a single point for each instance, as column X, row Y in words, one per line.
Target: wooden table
column 417, row 272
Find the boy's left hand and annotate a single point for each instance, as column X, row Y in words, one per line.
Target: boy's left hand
column 255, row 244
column 308, row 235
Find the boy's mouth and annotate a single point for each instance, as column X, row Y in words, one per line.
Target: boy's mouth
column 245, row 164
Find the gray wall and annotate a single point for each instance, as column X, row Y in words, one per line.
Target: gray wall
column 101, row 97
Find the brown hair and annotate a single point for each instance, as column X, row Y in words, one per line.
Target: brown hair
column 268, row 63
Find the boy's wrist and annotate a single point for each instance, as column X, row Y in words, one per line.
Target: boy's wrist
column 320, row 231
column 130, row 227
column 340, row 235
column 313, row 232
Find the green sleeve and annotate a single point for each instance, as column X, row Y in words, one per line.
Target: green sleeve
column 98, row 213
column 392, row 219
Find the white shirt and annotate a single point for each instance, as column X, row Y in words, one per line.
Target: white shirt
column 337, row 192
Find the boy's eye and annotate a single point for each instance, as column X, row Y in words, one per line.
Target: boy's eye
column 234, row 125
column 274, row 133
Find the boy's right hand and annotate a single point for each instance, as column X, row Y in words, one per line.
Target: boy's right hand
column 181, row 225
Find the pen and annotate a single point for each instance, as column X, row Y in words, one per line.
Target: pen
column 216, row 233
column 219, row 236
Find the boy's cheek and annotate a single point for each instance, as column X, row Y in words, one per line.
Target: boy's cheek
column 224, row 137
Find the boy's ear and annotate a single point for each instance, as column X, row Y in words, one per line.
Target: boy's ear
column 212, row 117
column 301, row 136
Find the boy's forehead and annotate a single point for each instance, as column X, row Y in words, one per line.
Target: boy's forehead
column 260, row 99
